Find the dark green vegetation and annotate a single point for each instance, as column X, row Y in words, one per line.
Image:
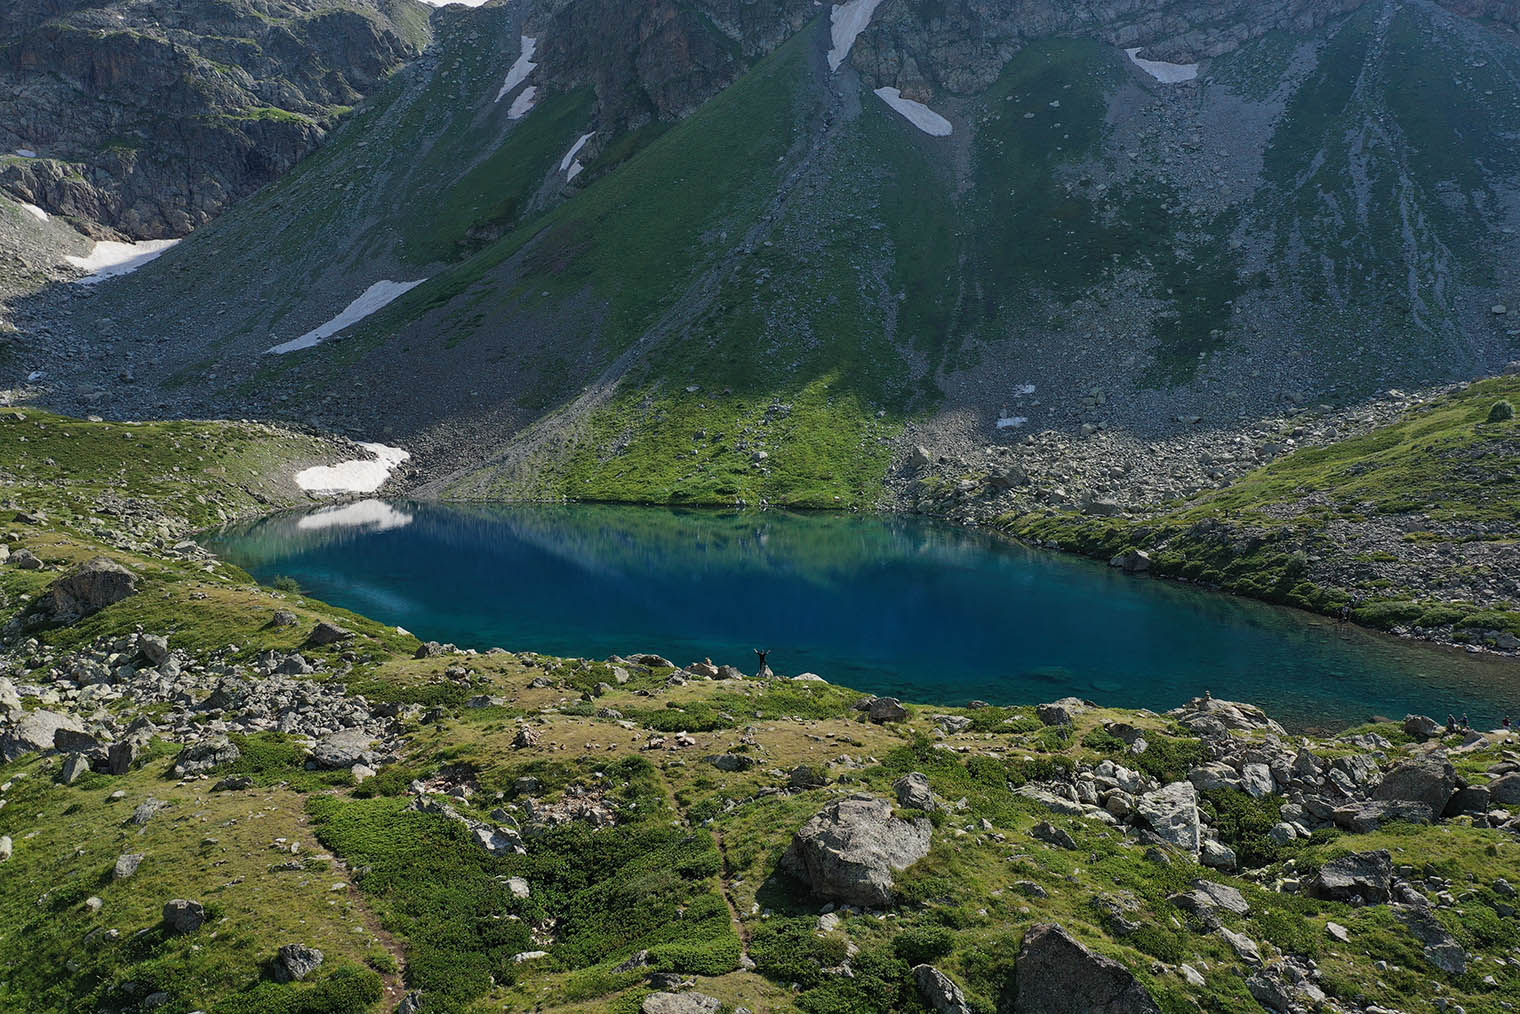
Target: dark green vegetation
column 1288, row 532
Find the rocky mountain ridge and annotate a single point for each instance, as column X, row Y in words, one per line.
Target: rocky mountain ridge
column 146, row 120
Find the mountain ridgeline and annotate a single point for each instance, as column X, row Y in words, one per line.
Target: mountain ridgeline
column 682, row 258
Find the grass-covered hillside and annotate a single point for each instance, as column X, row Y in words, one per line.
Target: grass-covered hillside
column 752, row 303
column 205, row 781
column 1411, row 526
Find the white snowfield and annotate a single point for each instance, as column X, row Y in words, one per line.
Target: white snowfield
column 362, row 475
column 916, row 113
column 34, row 211
column 521, row 67
column 371, row 299
column 108, row 258
column 1166, row 73
column 460, row 3
column 371, row 515
column 570, row 165
column 1009, row 422
column 523, row 104
column 26, row 153
column 847, row 21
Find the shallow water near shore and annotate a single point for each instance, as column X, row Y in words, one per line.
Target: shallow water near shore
column 925, row 611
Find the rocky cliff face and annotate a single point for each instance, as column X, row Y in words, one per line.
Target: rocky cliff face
column 960, row 46
column 150, row 118
column 656, row 59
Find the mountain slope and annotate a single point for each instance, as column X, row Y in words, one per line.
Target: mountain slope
column 763, row 301
column 151, row 119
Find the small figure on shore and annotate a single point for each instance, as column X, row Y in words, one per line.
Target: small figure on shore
column 1343, row 614
column 1465, row 725
column 1208, row 696
column 765, row 669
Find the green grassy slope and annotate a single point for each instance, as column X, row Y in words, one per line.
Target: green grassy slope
column 1443, row 475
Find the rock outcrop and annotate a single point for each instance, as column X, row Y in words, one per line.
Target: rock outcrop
column 150, row 118
column 851, row 848
column 1056, row 974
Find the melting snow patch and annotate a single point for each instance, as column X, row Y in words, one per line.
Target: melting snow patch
column 916, row 113
column 34, row 211
column 446, row 3
column 1024, row 389
column 370, row 300
column 34, row 376
column 564, row 163
column 371, row 515
column 848, row 21
column 108, row 258
column 523, row 104
column 357, row 476
column 1166, row 73
column 26, row 153
column 1009, row 422
column 574, row 170
column 520, row 69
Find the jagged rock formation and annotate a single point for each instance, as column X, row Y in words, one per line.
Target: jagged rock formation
column 150, row 118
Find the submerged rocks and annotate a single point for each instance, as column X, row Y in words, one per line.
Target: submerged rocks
column 850, row 849
column 1171, row 812
column 1056, row 974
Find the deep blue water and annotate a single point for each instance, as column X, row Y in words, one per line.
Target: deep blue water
column 928, row 612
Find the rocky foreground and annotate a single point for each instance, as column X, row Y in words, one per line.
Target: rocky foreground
column 227, row 798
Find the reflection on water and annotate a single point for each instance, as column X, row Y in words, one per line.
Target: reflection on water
column 887, row 604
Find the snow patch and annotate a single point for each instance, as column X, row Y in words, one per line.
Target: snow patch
column 108, row 258
column 362, row 475
column 371, row 299
column 564, row 163
column 1166, row 73
column 574, row 170
column 1023, row 389
column 459, row 3
column 848, row 20
column 520, row 69
column 916, row 113
column 523, row 104
column 371, row 515
column 26, row 153
column 1009, row 422
column 34, row 211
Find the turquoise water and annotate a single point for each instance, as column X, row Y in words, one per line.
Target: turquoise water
column 925, row 611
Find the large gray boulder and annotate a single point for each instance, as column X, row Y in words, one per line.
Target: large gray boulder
column 680, row 1003
column 913, row 791
column 86, row 590
column 1061, row 712
column 35, row 731
column 1208, row 716
column 344, row 749
column 939, row 991
column 1429, row 780
column 296, row 961
column 1171, row 812
column 1056, row 974
column 1421, row 727
column 1362, row 878
column 208, row 755
column 850, row 849
column 1506, row 790
column 1360, row 818
column 184, row 916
